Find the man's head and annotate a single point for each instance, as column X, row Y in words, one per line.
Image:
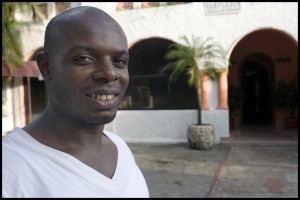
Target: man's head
column 85, row 65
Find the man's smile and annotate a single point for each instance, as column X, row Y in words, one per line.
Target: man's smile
column 101, row 97
column 103, row 100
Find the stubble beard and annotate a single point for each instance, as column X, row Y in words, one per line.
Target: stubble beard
column 78, row 116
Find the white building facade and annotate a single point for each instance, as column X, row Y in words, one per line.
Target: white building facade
column 227, row 22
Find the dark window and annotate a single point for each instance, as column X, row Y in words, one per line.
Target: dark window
column 148, row 88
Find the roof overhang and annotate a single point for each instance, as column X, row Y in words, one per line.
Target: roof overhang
column 27, row 69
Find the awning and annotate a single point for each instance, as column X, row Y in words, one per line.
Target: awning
column 27, row 69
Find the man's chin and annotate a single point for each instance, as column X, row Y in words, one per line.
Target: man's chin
column 105, row 119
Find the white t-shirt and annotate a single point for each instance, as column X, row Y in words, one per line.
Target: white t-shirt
column 31, row 169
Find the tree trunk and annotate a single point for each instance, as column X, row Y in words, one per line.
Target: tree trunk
column 199, row 109
column 198, row 90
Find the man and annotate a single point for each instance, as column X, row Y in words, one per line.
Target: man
column 66, row 152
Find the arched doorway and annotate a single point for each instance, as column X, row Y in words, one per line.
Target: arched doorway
column 148, row 87
column 257, row 82
column 256, row 67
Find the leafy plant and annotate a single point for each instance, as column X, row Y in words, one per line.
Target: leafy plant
column 195, row 58
column 11, row 45
column 285, row 97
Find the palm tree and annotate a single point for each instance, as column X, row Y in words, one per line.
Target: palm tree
column 195, row 58
column 11, row 45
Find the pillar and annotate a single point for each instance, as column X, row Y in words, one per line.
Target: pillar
column 204, row 92
column 223, row 91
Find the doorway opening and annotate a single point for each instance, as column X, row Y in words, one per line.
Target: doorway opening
column 256, row 83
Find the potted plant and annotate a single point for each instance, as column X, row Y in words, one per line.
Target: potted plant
column 285, row 97
column 196, row 58
column 236, row 98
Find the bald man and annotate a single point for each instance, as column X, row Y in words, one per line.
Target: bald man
column 66, row 152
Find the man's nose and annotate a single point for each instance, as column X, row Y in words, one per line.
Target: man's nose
column 105, row 71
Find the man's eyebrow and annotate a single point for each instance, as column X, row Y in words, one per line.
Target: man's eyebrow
column 91, row 49
column 81, row 47
column 122, row 52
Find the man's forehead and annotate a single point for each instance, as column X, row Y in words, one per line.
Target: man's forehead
column 81, row 23
column 86, row 36
column 84, row 12
column 85, row 19
column 93, row 28
column 88, row 21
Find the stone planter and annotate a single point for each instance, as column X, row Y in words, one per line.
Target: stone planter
column 201, row 137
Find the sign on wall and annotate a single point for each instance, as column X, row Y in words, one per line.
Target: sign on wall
column 218, row 8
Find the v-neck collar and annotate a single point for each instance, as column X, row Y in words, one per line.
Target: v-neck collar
column 74, row 160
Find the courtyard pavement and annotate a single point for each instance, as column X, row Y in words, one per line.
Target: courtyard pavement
column 242, row 167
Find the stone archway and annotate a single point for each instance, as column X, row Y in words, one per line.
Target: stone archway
column 271, row 54
column 148, row 87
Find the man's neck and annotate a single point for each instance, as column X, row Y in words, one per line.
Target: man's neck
column 58, row 132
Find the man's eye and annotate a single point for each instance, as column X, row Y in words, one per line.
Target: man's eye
column 83, row 60
column 120, row 62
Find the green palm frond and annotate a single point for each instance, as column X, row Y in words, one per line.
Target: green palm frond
column 193, row 74
column 194, row 57
column 11, row 44
column 180, row 57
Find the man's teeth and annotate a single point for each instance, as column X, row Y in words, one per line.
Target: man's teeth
column 102, row 97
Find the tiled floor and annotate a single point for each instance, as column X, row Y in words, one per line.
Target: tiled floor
column 267, row 168
column 255, row 134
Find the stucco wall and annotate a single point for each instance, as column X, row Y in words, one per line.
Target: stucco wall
column 171, row 22
column 165, row 126
column 169, row 126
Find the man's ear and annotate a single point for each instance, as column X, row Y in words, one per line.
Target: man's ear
column 43, row 64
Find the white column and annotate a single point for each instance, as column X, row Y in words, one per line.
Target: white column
column 51, row 11
column 137, row 5
column 75, row 4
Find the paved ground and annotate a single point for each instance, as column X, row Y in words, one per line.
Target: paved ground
column 228, row 170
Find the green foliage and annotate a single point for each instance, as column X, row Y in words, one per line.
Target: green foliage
column 194, row 58
column 236, row 98
column 285, row 97
column 11, row 44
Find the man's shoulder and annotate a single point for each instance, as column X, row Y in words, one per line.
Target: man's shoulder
column 113, row 136
column 12, row 137
column 14, row 154
column 119, row 142
column 17, row 148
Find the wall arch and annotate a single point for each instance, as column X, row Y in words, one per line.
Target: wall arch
column 276, row 52
column 148, row 87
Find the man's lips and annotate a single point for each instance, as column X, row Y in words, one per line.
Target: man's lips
column 103, row 99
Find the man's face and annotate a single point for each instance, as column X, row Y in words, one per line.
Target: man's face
column 89, row 70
